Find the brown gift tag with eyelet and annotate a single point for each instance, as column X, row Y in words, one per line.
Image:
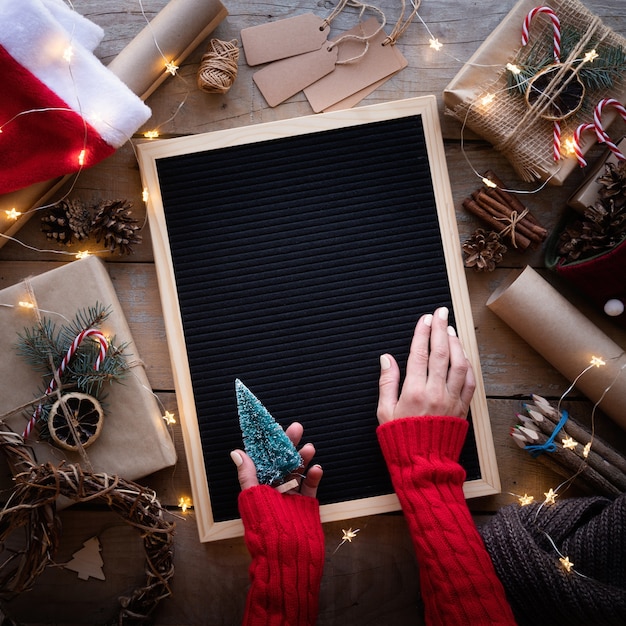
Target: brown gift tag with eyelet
column 284, row 38
column 282, row 79
column 350, row 82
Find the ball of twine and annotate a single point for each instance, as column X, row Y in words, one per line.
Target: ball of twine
column 218, row 67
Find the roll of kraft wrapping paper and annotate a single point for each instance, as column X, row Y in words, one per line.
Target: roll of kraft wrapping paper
column 565, row 338
column 177, row 29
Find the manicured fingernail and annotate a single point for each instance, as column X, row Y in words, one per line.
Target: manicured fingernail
column 385, row 362
column 443, row 313
column 451, row 331
column 428, row 320
column 236, row 457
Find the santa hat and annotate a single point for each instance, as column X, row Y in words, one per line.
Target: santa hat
column 61, row 108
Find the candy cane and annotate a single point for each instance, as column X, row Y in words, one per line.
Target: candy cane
column 89, row 332
column 600, row 132
column 577, row 149
column 556, row 27
column 556, row 140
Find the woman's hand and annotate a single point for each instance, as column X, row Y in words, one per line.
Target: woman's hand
column 307, row 483
column 439, row 378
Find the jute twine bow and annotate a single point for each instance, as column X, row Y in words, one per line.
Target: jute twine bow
column 513, row 220
column 218, row 67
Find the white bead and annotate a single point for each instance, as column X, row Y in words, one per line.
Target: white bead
column 614, row 307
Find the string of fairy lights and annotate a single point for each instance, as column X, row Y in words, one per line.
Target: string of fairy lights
column 568, row 146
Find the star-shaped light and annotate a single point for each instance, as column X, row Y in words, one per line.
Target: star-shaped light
column 570, row 146
column 566, row 563
column 592, row 55
column 435, row 44
column 514, row 69
column 349, row 535
column 169, row 418
column 184, row 503
column 488, row 99
column 569, row 443
column 13, row 214
column 171, row 67
column 550, row 496
column 151, row 134
column 597, row 361
column 145, row 194
column 82, row 254
column 587, row 449
column 525, row 500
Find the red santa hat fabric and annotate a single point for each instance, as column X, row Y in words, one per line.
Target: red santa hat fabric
column 61, row 108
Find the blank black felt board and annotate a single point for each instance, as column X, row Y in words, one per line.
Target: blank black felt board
column 291, row 255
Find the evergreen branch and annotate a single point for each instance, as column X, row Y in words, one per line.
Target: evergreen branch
column 602, row 73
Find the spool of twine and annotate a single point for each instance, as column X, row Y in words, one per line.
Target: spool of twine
column 218, row 67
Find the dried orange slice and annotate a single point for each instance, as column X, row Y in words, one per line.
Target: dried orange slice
column 78, row 413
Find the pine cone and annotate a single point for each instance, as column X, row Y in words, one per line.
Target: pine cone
column 484, row 250
column 603, row 227
column 613, row 183
column 66, row 221
column 114, row 225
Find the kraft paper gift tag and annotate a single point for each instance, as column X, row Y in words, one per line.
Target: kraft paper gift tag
column 284, row 38
column 350, row 82
column 282, row 79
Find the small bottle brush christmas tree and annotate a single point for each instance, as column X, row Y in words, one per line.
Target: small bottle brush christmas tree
column 265, row 442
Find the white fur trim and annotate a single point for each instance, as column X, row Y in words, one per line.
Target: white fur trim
column 79, row 28
column 33, row 37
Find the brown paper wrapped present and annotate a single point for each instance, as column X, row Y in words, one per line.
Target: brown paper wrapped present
column 134, row 440
column 523, row 132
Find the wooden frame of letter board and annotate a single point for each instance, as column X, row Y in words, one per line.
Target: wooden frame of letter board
column 151, row 152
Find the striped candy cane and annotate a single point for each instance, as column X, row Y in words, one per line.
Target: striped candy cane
column 90, row 332
column 600, row 132
column 556, row 50
column 556, row 28
column 577, row 149
column 556, row 140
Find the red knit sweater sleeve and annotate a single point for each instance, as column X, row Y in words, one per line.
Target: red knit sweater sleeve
column 458, row 581
column 284, row 536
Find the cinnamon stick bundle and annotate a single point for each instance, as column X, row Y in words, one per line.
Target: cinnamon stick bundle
column 505, row 214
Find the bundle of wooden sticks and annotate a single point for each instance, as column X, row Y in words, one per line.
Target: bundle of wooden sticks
column 575, row 451
column 505, row 214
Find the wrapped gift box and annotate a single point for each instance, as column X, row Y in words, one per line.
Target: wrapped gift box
column 134, row 441
column 506, row 121
column 587, row 193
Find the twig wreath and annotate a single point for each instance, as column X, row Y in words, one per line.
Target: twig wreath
column 32, row 505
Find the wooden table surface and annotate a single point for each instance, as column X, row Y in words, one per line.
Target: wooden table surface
column 373, row 580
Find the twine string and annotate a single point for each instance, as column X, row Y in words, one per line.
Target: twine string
column 513, row 220
column 362, row 38
column 400, row 27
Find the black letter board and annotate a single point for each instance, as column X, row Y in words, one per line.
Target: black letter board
column 291, row 255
